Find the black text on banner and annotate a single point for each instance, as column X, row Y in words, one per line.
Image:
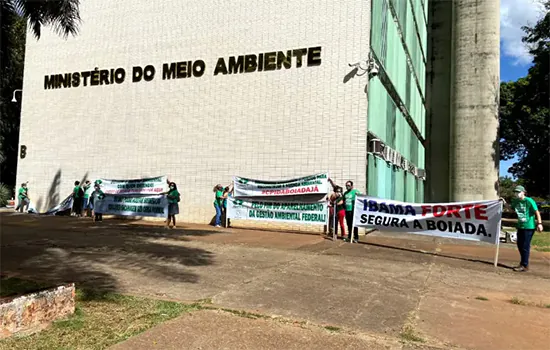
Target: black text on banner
column 477, row 221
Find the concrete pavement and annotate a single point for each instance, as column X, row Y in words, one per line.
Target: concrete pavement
column 388, row 291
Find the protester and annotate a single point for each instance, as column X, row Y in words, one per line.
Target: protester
column 173, row 207
column 218, row 204
column 527, row 211
column 87, row 201
column 338, row 205
column 349, row 203
column 23, row 198
column 227, row 192
column 349, row 206
column 78, row 196
column 97, row 195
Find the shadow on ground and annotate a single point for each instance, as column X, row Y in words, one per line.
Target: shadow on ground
column 61, row 250
column 416, row 251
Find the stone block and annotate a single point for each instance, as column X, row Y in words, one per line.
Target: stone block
column 31, row 313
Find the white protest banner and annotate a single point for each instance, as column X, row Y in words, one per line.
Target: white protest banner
column 314, row 184
column 156, row 206
column 65, row 205
column 303, row 213
column 475, row 221
column 154, row 185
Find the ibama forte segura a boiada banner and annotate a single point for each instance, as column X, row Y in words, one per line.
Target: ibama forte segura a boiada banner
column 475, row 221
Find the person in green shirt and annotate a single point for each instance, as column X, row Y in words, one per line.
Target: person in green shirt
column 529, row 219
column 349, row 206
column 173, row 196
column 23, row 198
column 87, row 201
column 218, row 204
column 78, row 197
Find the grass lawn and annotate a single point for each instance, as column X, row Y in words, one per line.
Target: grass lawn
column 541, row 241
column 100, row 320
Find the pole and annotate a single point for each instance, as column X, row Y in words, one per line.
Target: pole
column 334, row 222
column 227, row 205
column 497, row 250
column 498, row 235
column 352, row 233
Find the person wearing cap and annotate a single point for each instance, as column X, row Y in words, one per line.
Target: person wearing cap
column 97, row 195
column 529, row 220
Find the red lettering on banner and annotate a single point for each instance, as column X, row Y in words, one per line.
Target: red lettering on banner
column 439, row 210
column 453, row 210
column 467, row 211
column 480, row 212
column 291, row 190
column 426, row 209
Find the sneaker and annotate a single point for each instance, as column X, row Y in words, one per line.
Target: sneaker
column 217, row 226
column 521, row 269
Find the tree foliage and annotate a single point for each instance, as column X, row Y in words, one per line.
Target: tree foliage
column 506, row 188
column 525, row 114
column 12, row 57
column 63, row 17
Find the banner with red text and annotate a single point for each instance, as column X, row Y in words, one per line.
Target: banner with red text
column 474, row 221
column 309, row 185
column 148, row 186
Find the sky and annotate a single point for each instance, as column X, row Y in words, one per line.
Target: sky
column 514, row 56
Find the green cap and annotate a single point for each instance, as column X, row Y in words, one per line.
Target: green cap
column 519, row 189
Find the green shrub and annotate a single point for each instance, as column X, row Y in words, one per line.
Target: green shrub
column 5, row 195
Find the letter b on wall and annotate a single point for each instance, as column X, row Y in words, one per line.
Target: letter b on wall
column 23, row 152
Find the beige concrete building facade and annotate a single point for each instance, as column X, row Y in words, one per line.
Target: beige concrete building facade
column 292, row 107
column 202, row 92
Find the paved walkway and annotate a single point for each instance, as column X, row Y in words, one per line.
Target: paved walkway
column 383, row 293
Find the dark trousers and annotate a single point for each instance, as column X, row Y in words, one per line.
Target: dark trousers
column 77, row 206
column 349, row 221
column 524, row 245
column 22, row 205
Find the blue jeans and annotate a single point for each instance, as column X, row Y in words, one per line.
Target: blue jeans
column 87, row 203
column 218, row 215
column 524, row 245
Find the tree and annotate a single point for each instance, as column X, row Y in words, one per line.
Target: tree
column 525, row 114
column 63, row 17
column 506, row 188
